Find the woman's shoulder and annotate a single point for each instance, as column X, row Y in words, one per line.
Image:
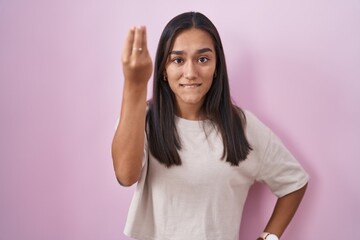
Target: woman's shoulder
column 247, row 115
column 252, row 120
column 256, row 131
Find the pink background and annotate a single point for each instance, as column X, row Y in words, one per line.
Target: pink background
column 296, row 64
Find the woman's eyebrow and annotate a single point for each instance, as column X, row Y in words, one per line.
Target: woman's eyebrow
column 176, row 52
column 179, row 52
column 204, row 50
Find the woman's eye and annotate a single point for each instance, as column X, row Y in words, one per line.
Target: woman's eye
column 177, row 60
column 203, row 59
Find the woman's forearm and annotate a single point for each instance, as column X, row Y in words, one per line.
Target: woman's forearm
column 284, row 211
column 128, row 142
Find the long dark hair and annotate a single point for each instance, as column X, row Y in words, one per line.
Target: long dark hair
column 230, row 120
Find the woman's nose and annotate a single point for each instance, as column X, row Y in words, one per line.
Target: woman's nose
column 190, row 72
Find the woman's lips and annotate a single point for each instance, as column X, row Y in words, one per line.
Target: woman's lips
column 190, row 85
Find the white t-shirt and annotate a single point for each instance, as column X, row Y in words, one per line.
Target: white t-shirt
column 203, row 199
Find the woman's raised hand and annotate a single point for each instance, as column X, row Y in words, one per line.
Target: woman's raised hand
column 136, row 61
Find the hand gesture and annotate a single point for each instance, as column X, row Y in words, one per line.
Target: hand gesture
column 136, row 61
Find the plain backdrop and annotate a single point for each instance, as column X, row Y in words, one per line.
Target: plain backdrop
column 295, row 64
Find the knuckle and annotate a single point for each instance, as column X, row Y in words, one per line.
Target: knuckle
column 125, row 60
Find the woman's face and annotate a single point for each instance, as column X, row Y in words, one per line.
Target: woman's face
column 190, row 68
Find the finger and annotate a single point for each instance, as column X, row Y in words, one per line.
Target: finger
column 144, row 39
column 137, row 44
column 129, row 42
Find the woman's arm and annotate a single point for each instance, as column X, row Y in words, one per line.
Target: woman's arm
column 128, row 142
column 284, row 211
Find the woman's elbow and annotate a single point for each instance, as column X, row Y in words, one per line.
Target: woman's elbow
column 126, row 181
column 127, row 169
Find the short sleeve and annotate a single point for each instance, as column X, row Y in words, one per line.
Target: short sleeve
column 276, row 166
column 146, row 153
column 279, row 169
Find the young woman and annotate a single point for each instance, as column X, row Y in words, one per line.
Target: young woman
column 192, row 152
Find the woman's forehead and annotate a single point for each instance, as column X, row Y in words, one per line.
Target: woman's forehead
column 192, row 38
